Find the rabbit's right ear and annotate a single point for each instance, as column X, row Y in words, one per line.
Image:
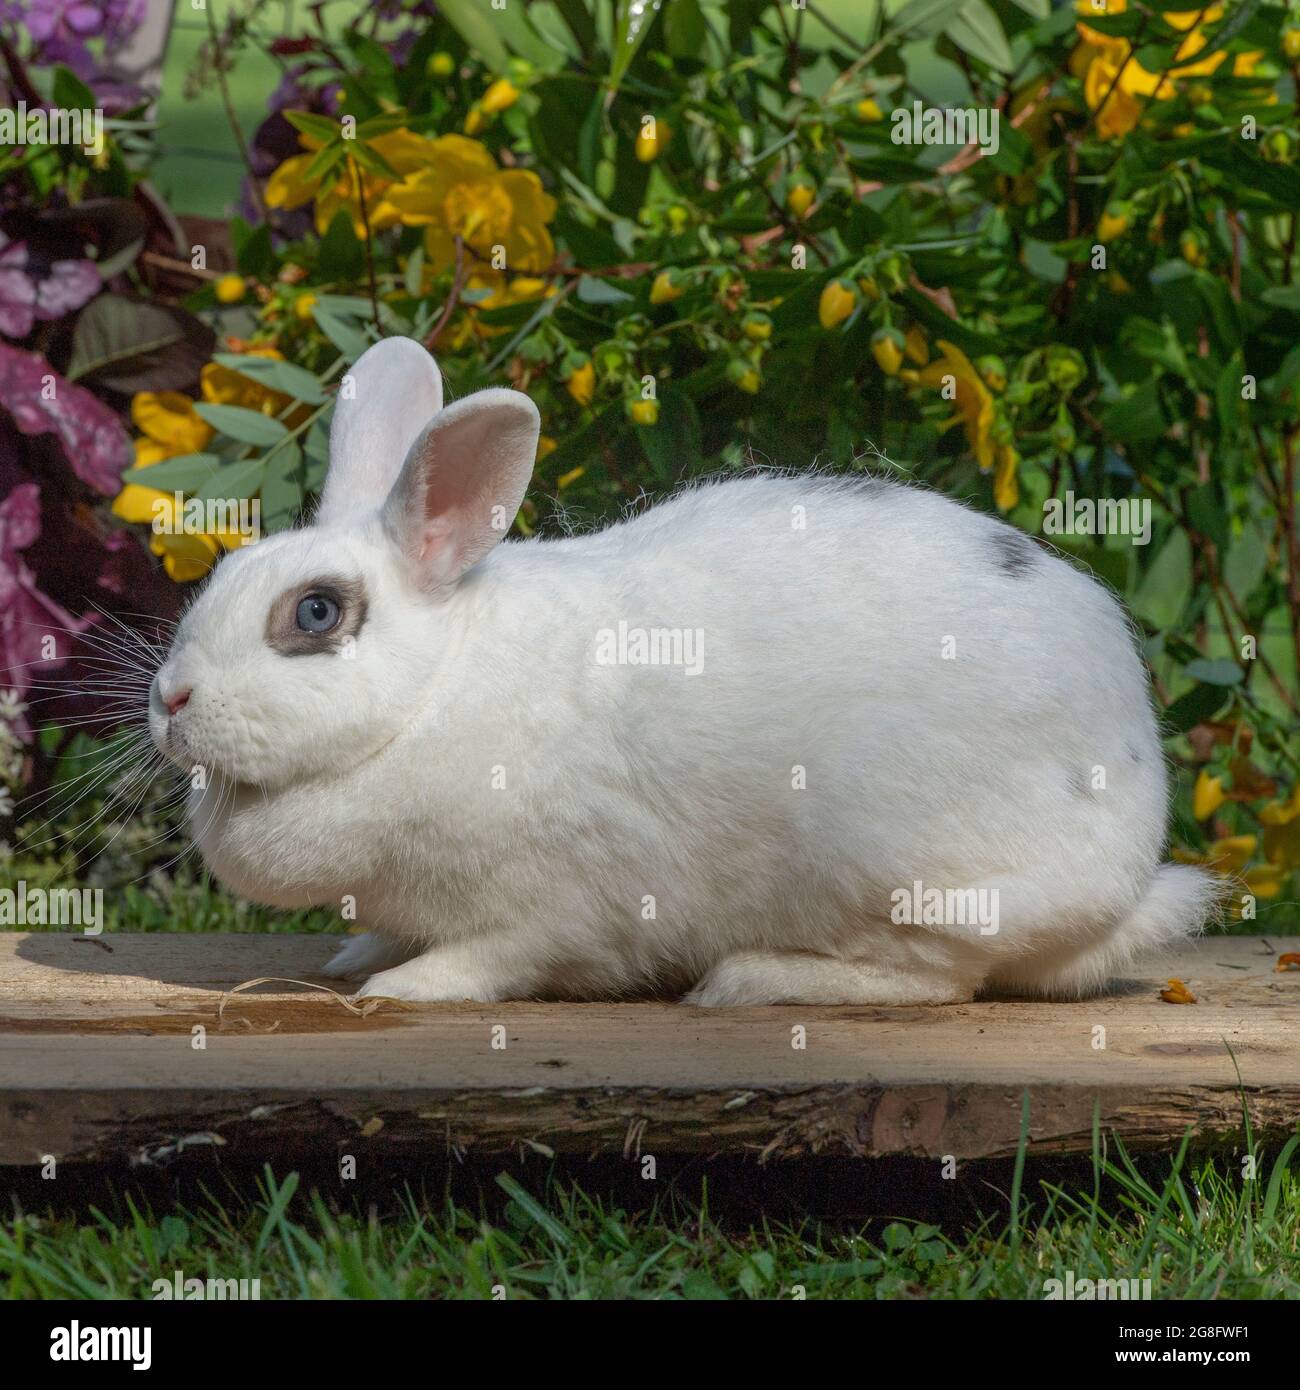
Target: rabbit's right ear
column 384, row 402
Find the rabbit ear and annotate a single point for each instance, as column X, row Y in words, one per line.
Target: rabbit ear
column 384, row 401
column 462, row 483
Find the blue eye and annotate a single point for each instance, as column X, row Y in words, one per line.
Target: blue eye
column 316, row 613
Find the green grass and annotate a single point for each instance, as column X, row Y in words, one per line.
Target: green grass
column 1198, row 1232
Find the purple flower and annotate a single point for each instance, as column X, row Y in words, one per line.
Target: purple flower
column 25, row 297
column 72, row 22
column 41, row 402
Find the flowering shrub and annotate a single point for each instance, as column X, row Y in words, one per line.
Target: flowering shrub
column 1040, row 258
column 77, row 334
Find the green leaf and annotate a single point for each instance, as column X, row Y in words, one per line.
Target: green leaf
column 1163, row 592
column 184, row 473
column 685, row 32
column 977, row 31
column 349, row 341
column 414, row 277
column 370, row 158
column 470, row 19
column 382, row 125
column 1137, row 417
column 674, row 443
column 342, row 257
column 294, row 381
column 247, row 426
column 71, row 93
column 321, row 127
column 1221, row 672
column 326, row 158
column 256, row 253
column 129, row 345
column 282, row 490
column 234, row 482
column 1201, row 702
column 593, row 291
column 634, row 21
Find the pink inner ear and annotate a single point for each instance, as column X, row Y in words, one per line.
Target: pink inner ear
column 436, row 535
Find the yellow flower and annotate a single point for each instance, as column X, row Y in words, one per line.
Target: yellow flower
column 838, row 301
column 887, row 346
column 756, row 327
column 440, row 65
column 1112, row 225
column 744, row 376
column 666, row 288
column 171, row 427
column 645, row 412
column 651, row 141
column 1224, row 857
column 581, row 384
column 500, row 96
column 569, row 478
column 974, row 404
column 291, row 186
column 474, row 121
column 1114, row 81
column 800, row 199
column 230, row 289
column 1006, row 479
column 545, row 445
column 1208, row 795
column 457, row 190
column 1281, row 822
column 303, row 306
column 915, row 345
column 868, row 109
column 1192, row 248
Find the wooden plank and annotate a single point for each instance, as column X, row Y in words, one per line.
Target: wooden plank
column 98, row 1060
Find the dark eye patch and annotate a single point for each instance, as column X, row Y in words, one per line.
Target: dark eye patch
column 284, row 633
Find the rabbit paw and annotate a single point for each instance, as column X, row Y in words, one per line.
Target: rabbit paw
column 429, row 979
column 362, row 955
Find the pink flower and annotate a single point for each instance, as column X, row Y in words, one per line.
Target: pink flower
column 35, row 632
column 41, row 402
column 25, row 297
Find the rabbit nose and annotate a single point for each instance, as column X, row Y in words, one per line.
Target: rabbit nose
column 176, row 703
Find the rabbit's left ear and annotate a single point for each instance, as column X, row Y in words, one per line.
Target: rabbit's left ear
column 462, row 483
column 385, row 399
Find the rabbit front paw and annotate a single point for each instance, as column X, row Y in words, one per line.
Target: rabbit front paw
column 433, row 978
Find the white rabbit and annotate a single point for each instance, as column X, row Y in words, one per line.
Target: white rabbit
column 728, row 747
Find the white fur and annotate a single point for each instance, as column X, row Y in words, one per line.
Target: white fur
column 824, row 606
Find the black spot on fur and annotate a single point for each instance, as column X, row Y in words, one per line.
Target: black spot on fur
column 1016, row 554
column 1135, row 753
column 1079, row 783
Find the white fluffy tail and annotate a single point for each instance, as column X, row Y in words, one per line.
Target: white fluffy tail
column 1178, row 902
